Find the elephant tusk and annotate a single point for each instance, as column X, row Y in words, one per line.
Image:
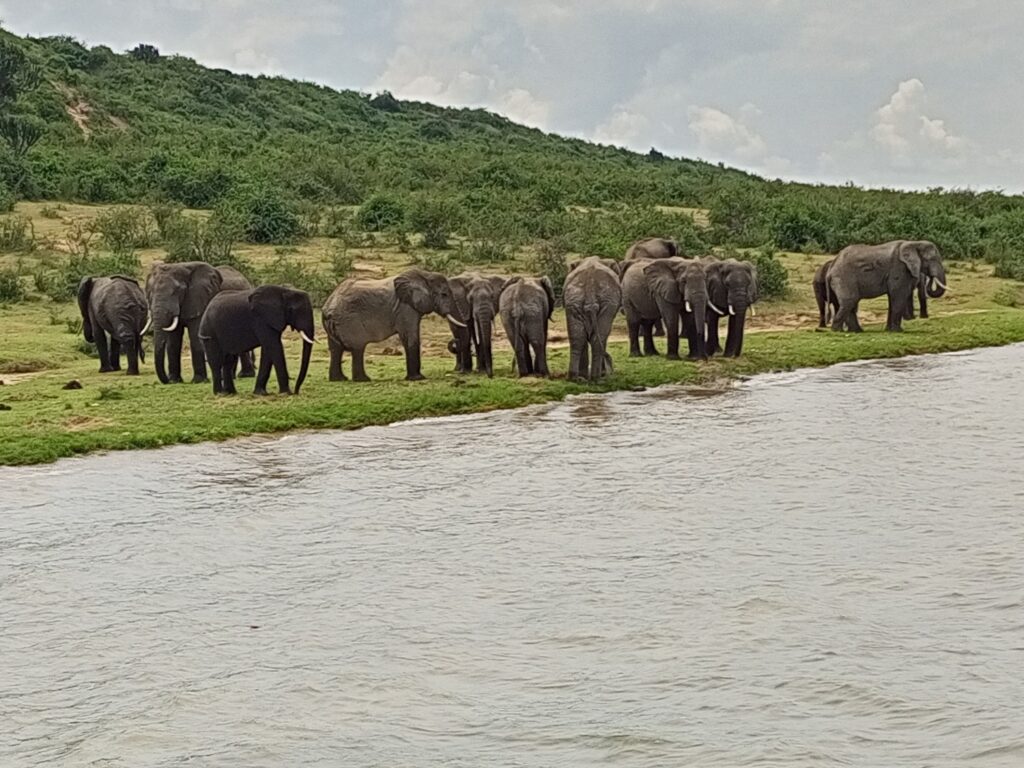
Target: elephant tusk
column 716, row 309
column 149, row 324
column 941, row 284
column 688, row 307
column 753, row 312
column 174, row 325
column 453, row 321
column 732, row 311
column 306, row 338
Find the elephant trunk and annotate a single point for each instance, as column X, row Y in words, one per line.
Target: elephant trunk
column 307, row 350
column 484, row 330
column 160, row 354
column 698, row 320
column 937, row 283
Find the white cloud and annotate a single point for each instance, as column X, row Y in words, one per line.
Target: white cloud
column 722, row 136
column 908, row 135
column 624, row 129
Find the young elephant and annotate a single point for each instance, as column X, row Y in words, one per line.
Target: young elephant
column 233, row 280
column 363, row 311
column 895, row 269
column 671, row 289
column 653, row 248
column 476, row 299
column 236, row 322
column 592, row 297
column 526, row 306
column 731, row 284
column 116, row 307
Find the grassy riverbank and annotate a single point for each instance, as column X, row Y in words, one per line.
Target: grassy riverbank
column 113, row 412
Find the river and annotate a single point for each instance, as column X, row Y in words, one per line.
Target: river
column 809, row 569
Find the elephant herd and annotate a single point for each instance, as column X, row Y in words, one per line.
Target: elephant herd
column 659, row 291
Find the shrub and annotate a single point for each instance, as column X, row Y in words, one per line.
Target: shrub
column 444, row 263
column 342, row 262
column 261, row 215
column 124, row 229
column 285, row 270
column 212, row 240
column 51, row 211
column 11, row 289
column 381, row 213
column 166, row 216
column 434, row 219
column 772, row 276
column 1009, row 296
column 61, row 283
column 16, row 233
column 310, row 216
column 486, row 251
column 6, row 198
column 549, row 258
column 337, row 222
column 1008, row 261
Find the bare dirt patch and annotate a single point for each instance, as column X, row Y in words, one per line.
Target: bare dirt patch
column 85, row 423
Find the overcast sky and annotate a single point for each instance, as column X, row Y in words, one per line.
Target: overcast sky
column 913, row 93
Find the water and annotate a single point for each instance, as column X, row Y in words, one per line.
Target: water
column 811, row 569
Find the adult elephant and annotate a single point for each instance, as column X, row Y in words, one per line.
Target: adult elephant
column 927, row 287
column 236, row 322
column 671, row 289
column 592, row 297
column 653, row 248
column 476, row 300
column 113, row 306
column 178, row 295
column 361, row 311
column 893, row 269
column 732, row 289
column 820, row 296
column 526, row 305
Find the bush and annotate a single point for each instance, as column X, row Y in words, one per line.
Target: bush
column 124, row 229
column 16, row 233
column 549, row 258
column 444, row 263
column 260, row 215
column 285, row 270
column 381, row 213
column 434, row 219
column 212, row 240
column 6, row 198
column 486, row 251
column 166, row 216
column 342, row 262
column 772, row 276
column 1009, row 296
column 11, row 289
column 61, row 283
column 1009, row 262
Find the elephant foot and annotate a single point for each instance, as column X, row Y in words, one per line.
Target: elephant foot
column 200, row 380
column 106, row 369
column 364, row 377
column 651, row 353
column 924, row 315
column 672, row 357
column 131, row 373
column 260, row 392
column 634, row 353
column 247, row 375
column 338, row 377
column 415, row 377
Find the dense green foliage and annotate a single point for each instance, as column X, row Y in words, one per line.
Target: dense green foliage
column 278, row 159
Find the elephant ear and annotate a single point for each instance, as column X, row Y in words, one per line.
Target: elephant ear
column 672, row 247
column 661, row 277
column 267, row 302
column 497, row 283
column 203, row 284
column 754, row 289
column 911, row 259
column 411, row 288
column 545, row 283
column 460, row 294
column 84, row 291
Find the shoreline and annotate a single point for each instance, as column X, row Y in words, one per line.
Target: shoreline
column 112, row 413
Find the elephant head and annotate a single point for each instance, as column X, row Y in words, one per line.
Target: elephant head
column 280, row 307
column 924, row 262
column 476, row 298
column 682, row 281
column 427, row 292
column 177, row 295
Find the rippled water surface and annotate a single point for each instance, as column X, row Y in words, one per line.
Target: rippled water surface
column 812, row 569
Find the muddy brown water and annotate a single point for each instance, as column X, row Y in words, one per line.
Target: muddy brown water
column 811, row 569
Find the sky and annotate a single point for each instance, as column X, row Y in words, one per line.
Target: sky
column 909, row 94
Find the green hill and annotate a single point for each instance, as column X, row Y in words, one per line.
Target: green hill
column 142, row 126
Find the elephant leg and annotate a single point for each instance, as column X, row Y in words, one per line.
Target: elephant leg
column 337, row 352
column 174, row 355
column 263, row 374
column 922, row 299
column 413, row 359
column 713, row 346
column 648, row 327
column 540, row 355
column 522, row 357
column 690, row 331
column 131, row 355
column 657, row 328
column 198, row 355
column 217, row 357
column 844, row 315
column 227, row 374
column 115, row 354
column 100, row 337
column 358, row 368
column 280, row 364
column 248, row 361
column 584, row 360
column 633, row 324
column 672, row 328
column 897, row 310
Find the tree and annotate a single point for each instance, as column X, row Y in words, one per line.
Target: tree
column 21, row 133
column 145, row 52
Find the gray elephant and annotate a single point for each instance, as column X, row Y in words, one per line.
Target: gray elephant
column 526, row 306
column 894, row 269
column 820, row 297
column 476, row 300
column 116, row 307
column 653, row 248
column 674, row 290
column 361, row 311
column 732, row 290
column 178, row 295
column 233, row 280
column 592, row 297
column 927, row 287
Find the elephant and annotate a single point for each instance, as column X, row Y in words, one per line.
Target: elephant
column 233, row 280
column 927, row 287
column 895, row 269
column 592, row 297
column 178, row 294
column 653, row 248
column 476, row 299
column 672, row 289
column 526, row 305
column 236, row 322
column 114, row 306
column 731, row 284
column 819, row 293
column 362, row 310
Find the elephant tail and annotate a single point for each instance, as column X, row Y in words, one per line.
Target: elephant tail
column 828, row 299
column 591, row 313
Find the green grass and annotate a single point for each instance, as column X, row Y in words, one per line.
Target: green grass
column 115, row 412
